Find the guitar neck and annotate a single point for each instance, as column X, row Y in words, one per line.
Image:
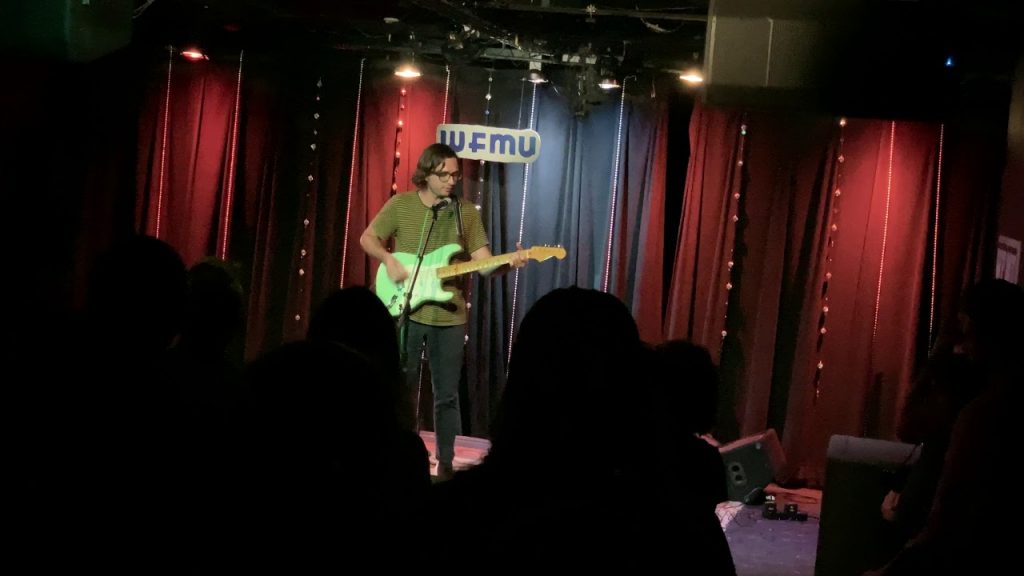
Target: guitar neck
column 474, row 265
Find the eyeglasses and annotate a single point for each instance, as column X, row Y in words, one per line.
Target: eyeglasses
column 446, row 176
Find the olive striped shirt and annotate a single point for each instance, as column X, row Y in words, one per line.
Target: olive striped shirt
column 405, row 219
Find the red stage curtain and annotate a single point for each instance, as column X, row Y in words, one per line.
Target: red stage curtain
column 193, row 159
column 777, row 245
column 637, row 274
column 375, row 161
column 880, row 299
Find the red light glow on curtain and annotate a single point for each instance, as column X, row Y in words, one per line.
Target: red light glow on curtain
column 881, row 269
column 229, row 187
column 182, row 202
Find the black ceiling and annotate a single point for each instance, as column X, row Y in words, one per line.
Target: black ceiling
column 620, row 35
column 663, row 34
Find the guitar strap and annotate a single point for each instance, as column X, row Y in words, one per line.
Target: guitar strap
column 458, row 218
column 423, row 229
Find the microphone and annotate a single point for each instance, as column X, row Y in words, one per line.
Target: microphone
column 443, row 203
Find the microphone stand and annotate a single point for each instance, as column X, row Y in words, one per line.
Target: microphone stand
column 403, row 318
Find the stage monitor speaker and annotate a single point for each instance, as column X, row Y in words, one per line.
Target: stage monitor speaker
column 75, row 30
column 751, row 463
column 852, row 536
column 855, row 57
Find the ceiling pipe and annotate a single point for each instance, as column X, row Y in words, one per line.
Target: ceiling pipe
column 593, row 11
column 467, row 17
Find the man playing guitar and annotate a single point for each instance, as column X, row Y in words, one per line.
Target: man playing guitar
column 406, row 217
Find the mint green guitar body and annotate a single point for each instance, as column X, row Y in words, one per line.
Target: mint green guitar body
column 428, row 284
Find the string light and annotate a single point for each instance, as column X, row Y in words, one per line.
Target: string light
column 399, row 128
column 733, row 206
column 832, row 227
column 447, row 84
column 480, row 185
column 935, row 238
column 615, row 188
column 522, row 221
column 309, row 201
column 885, row 233
column 487, row 122
column 163, row 144
column 352, row 173
column 232, row 155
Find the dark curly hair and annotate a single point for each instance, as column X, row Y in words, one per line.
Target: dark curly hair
column 431, row 157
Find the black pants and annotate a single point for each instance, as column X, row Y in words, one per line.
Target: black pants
column 445, row 351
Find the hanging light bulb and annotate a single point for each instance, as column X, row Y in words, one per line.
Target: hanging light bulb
column 407, row 69
column 194, row 53
column 692, row 77
column 536, row 75
column 608, row 81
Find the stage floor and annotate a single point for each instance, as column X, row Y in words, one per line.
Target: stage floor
column 469, row 451
column 760, row 547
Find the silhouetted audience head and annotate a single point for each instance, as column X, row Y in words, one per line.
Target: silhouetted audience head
column 580, row 472
column 572, row 373
column 214, row 308
column 325, row 469
column 689, row 379
column 356, row 317
column 137, row 294
column 304, row 400
column 994, row 334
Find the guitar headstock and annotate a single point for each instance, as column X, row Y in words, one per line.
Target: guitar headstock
column 542, row 253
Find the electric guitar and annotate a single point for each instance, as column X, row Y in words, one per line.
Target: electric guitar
column 435, row 269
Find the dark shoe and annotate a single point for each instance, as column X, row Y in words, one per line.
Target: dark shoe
column 445, row 471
